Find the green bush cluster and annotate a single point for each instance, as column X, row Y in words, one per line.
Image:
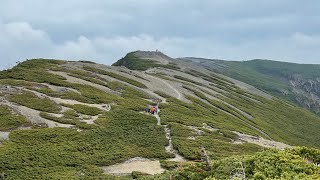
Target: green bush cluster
column 270, row 164
column 84, row 109
column 124, row 132
column 272, row 115
column 116, row 76
column 200, row 112
column 62, row 120
column 269, row 116
column 162, row 94
column 187, row 80
column 131, row 61
column 211, row 78
column 69, row 117
column 9, row 121
column 218, row 144
column 66, row 152
column 30, row 100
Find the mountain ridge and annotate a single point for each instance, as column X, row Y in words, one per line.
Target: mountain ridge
column 67, row 119
column 298, row 83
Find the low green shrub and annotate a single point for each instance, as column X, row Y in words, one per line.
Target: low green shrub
column 162, row 94
column 9, row 121
column 269, row 164
column 84, row 109
column 30, row 100
column 116, row 76
column 62, row 120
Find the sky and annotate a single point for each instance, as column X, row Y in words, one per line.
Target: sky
column 104, row 31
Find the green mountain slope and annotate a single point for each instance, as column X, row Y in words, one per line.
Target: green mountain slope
column 298, row 83
column 77, row 120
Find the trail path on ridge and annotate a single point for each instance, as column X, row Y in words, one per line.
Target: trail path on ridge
column 169, row 148
column 142, row 164
column 178, row 94
column 170, row 86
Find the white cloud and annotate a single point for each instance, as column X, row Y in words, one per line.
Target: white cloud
column 105, row 30
column 20, row 40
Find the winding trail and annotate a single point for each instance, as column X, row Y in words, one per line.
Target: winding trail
column 142, row 164
column 179, row 96
column 169, row 148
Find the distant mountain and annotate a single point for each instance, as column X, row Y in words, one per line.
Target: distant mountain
column 298, row 83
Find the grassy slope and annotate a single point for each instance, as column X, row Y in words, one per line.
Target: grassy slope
column 124, row 132
column 281, row 121
column 271, row 76
column 135, row 63
column 9, row 121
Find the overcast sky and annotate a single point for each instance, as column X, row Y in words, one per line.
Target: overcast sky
column 104, row 31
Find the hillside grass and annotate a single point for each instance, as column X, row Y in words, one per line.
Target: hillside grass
column 69, row 117
column 272, row 115
column 122, row 135
column 162, row 94
column 131, row 61
column 9, row 121
column 116, row 76
column 30, row 100
column 124, row 132
column 84, row 109
column 270, row 76
column 270, row 164
column 197, row 113
column 218, row 144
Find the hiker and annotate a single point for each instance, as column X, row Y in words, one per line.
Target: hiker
column 147, row 110
column 156, row 109
column 152, row 110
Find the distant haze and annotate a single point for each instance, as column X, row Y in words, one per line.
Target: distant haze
column 104, row 31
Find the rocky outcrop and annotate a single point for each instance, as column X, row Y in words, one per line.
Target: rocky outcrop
column 306, row 92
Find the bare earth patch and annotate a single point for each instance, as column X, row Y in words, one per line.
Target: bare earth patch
column 33, row 115
column 135, row 164
column 4, row 135
column 260, row 141
column 81, row 81
column 103, row 107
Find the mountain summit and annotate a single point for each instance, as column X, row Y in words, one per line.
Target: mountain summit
column 143, row 60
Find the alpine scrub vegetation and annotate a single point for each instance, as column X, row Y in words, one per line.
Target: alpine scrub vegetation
column 131, row 61
column 116, row 76
column 9, row 121
column 84, row 109
column 206, row 119
column 30, row 100
column 270, row 164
